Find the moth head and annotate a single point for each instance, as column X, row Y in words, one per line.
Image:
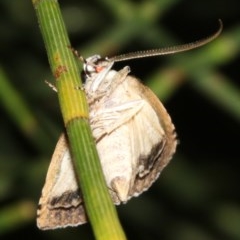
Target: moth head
column 94, row 65
column 95, row 70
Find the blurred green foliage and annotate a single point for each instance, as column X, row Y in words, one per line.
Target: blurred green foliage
column 197, row 195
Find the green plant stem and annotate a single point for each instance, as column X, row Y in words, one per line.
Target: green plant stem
column 100, row 209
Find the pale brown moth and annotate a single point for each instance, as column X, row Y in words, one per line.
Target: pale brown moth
column 134, row 134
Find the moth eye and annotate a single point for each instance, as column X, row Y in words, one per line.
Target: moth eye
column 92, row 65
column 88, row 69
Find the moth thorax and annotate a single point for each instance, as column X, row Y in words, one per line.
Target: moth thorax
column 101, row 83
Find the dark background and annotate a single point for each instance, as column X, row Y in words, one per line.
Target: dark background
column 197, row 196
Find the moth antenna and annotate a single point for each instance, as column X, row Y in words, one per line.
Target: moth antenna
column 76, row 53
column 168, row 50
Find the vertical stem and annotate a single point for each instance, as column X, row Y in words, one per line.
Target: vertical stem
column 100, row 209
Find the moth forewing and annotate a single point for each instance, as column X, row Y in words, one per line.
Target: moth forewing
column 160, row 133
column 60, row 204
column 131, row 140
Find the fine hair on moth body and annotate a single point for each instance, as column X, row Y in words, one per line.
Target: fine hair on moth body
column 134, row 135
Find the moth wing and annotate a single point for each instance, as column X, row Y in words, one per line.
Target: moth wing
column 61, row 204
column 107, row 120
column 137, row 139
column 154, row 138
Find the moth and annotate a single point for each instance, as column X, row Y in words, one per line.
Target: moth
column 134, row 135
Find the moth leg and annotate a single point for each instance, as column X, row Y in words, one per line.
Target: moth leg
column 118, row 79
column 52, row 86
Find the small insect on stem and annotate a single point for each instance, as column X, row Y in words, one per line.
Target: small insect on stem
column 134, row 136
